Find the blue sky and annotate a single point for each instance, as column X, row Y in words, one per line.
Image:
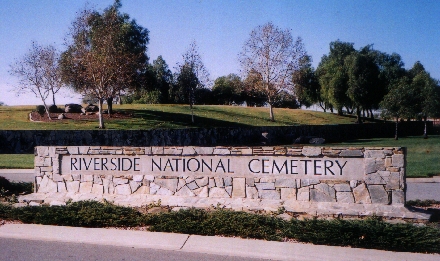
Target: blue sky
column 409, row 28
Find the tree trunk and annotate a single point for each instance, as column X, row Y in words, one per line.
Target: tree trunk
column 47, row 110
column 396, row 137
column 192, row 112
column 358, row 115
column 110, row 106
column 53, row 97
column 425, row 134
column 371, row 114
column 340, row 112
column 101, row 118
column 271, row 116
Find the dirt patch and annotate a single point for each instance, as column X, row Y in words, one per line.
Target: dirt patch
column 35, row 116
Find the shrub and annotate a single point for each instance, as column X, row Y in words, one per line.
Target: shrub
column 40, row 109
column 8, row 188
column 53, row 109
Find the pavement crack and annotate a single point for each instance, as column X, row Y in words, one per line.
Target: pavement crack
column 185, row 242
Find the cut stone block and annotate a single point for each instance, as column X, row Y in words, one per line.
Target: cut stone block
column 269, row 194
column 303, row 194
column 219, row 182
column 351, row 153
column 361, row 194
column 265, row 186
column 285, row 183
column 378, row 194
column 375, row 154
column 217, row 192
column 374, row 179
column 398, row 160
column 170, row 184
column 251, row 192
column 373, row 165
column 98, row 189
column 238, row 187
column 85, row 187
column 123, row 189
column 344, row 197
column 398, row 197
column 342, row 187
column 142, row 190
column 202, row 192
column 184, row 192
column 202, row 182
column 311, row 151
column 72, row 186
column 62, row 187
column 288, row 193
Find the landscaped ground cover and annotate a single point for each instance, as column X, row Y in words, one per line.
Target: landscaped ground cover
column 368, row 233
column 173, row 116
column 423, row 156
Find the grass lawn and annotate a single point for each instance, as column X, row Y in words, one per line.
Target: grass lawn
column 174, row 116
column 423, row 156
column 17, row 161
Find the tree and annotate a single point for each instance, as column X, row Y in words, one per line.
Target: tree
column 306, row 84
column 254, row 94
column 163, row 78
column 38, row 72
column 273, row 55
column 192, row 75
column 363, row 81
column 228, row 90
column 397, row 102
column 106, row 55
column 425, row 98
column 333, row 77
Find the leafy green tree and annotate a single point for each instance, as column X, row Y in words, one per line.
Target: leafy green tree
column 397, row 103
column 273, row 55
column 106, row 54
column 426, row 100
column 363, row 80
column 306, row 84
column 163, row 79
column 228, row 90
column 333, row 76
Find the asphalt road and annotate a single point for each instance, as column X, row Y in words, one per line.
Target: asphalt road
column 27, row 250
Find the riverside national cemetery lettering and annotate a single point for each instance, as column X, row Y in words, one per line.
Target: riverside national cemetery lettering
column 303, row 167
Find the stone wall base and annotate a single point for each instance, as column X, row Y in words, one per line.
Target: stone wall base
column 314, row 209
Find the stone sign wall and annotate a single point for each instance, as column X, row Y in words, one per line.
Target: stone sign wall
column 314, row 180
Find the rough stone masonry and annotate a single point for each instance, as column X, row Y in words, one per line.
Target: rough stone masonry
column 313, row 180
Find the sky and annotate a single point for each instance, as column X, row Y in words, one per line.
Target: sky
column 410, row 28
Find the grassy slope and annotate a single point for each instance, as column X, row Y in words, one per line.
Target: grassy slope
column 174, row 116
column 423, row 155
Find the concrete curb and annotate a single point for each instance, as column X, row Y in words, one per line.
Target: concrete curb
column 202, row 244
column 16, row 171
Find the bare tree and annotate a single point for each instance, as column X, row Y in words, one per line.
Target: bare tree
column 38, row 72
column 273, row 55
column 106, row 54
column 192, row 75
